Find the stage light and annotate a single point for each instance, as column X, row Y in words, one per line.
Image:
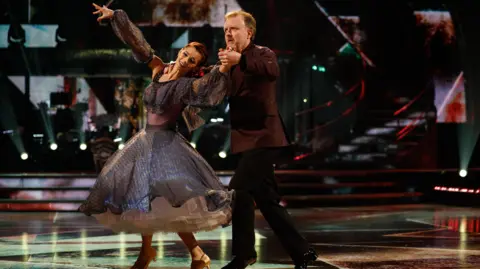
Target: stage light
column 222, row 154
column 305, row 100
column 24, row 156
column 193, row 145
column 456, row 189
column 319, row 68
column 121, row 146
column 53, row 146
column 463, row 173
column 83, row 146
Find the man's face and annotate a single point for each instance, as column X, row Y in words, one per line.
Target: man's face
column 237, row 35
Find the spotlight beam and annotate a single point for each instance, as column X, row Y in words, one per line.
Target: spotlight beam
column 47, row 123
column 8, row 120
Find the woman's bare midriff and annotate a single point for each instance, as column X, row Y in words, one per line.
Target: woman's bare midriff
column 169, row 116
column 155, row 119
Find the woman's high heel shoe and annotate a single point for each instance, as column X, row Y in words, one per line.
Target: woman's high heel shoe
column 144, row 259
column 202, row 263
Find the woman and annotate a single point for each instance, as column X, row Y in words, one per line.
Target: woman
column 158, row 182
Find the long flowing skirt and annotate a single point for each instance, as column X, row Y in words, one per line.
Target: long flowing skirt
column 158, row 183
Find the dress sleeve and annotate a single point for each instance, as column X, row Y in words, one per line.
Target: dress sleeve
column 132, row 36
column 207, row 91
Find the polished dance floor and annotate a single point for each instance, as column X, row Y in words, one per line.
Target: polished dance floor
column 403, row 236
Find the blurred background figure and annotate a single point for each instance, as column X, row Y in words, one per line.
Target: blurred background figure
column 102, row 148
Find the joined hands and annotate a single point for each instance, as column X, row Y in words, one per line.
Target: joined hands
column 229, row 57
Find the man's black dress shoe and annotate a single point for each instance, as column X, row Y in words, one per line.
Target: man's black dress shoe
column 307, row 258
column 240, row 263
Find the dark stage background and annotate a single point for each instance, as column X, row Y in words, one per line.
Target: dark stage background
column 364, row 84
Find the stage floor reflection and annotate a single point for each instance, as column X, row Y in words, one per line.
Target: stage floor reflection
column 403, row 236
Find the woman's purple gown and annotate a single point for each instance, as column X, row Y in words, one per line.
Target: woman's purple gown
column 158, row 182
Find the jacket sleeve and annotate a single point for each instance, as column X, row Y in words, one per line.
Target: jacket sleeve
column 260, row 62
column 132, row 36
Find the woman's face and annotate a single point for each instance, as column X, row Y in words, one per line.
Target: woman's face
column 188, row 58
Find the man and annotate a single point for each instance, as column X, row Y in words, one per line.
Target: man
column 257, row 133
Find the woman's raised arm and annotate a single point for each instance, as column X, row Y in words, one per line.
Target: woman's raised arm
column 129, row 33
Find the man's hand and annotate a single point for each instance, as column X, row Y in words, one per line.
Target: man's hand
column 229, row 57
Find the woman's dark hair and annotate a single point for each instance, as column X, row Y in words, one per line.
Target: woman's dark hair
column 202, row 49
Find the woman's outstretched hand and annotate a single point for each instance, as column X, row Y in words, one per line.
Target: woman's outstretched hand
column 105, row 12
